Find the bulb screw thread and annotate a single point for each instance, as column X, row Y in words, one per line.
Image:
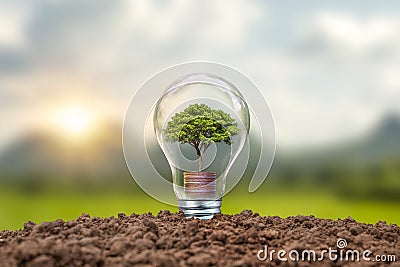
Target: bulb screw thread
column 201, row 209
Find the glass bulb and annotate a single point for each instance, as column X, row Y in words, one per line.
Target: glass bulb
column 201, row 122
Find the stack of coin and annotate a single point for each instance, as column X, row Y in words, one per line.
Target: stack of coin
column 200, row 185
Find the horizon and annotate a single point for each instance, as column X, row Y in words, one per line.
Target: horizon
column 60, row 134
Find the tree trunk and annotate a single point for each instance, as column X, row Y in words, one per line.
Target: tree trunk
column 199, row 156
column 200, row 162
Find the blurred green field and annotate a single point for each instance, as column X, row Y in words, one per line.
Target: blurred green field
column 17, row 208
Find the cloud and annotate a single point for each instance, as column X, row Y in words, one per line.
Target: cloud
column 113, row 39
column 204, row 22
column 337, row 78
column 13, row 21
column 346, row 33
column 357, row 34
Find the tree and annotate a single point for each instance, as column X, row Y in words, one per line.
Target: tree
column 200, row 126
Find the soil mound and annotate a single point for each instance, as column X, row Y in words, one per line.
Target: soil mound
column 168, row 239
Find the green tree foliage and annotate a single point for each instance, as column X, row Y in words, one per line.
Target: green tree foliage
column 200, row 126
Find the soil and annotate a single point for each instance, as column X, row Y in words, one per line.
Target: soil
column 168, row 239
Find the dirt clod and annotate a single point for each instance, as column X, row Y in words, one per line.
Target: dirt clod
column 356, row 230
column 42, row 261
column 168, row 239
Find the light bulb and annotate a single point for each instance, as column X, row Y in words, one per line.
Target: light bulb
column 201, row 122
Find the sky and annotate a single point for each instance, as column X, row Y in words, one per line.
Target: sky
column 328, row 69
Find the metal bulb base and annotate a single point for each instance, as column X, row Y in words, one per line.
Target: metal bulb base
column 200, row 209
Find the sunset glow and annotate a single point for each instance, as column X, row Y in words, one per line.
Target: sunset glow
column 74, row 121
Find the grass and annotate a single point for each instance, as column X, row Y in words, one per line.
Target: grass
column 17, row 208
column 320, row 205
